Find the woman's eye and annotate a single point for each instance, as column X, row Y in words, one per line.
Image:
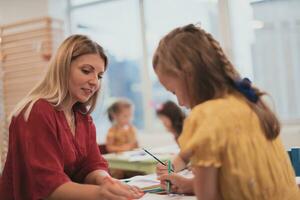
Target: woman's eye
column 85, row 71
column 99, row 77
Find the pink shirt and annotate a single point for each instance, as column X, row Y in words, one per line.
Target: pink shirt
column 43, row 154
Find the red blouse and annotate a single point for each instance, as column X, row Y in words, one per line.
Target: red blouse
column 43, row 154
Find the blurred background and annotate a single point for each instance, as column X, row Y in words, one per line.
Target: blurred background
column 261, row 37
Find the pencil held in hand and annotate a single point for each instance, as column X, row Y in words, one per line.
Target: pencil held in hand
column 169, row 172
column 153, row 156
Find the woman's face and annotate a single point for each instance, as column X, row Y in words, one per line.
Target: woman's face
column 85, row 75
column 177, row 86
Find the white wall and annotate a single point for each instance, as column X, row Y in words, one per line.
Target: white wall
column 12, row 11
column 290, row 136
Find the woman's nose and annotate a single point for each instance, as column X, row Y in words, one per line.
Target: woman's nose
column 94, row 80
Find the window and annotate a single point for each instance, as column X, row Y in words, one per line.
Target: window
column 266, row 44
column 115, row 25
column 130, row 31
column 276, row 53
column 162, row 19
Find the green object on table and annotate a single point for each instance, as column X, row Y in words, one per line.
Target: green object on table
column 169, row 172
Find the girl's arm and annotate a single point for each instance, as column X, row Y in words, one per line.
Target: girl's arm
column 177, row 164
column 206, row 183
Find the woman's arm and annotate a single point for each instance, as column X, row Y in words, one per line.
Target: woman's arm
column 108, row 191
column 74, row 191
column 99, row 177
column 95, row 177
column 206, row 183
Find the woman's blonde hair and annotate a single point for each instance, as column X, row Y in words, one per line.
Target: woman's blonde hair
column 54, row 86
column 192, row 53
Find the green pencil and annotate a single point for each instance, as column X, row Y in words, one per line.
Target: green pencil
column 169, row 172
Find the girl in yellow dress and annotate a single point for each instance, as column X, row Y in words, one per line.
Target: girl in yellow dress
column 122, row 135
column 231, row 137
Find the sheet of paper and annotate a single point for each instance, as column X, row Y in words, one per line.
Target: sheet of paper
column 150, row 196
column 143, row 181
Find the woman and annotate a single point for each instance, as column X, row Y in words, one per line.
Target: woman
column 53, row 152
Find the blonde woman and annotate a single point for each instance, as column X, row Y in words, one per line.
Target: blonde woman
column 53, row 152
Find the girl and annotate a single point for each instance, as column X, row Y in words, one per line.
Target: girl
column 172, row 117
column 231, row 136
column 122, row 135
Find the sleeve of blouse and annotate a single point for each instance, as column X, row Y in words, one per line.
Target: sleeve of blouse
column 203, row 140
column 42, row 154
column 94, row 160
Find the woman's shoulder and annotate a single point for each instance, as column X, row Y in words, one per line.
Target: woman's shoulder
column 43, row 104
column 42, row 108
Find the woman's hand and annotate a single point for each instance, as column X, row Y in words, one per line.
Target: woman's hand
column 114, row 189
column 179, row 184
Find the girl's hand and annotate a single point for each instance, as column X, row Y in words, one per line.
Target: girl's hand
column 161, row 169
column 179, row 183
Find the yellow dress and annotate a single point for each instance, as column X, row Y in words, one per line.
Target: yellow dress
column 225, row 133
column 120, row 136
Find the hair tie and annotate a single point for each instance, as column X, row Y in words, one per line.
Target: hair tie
column 244, row 87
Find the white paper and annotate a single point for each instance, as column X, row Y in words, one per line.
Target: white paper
column 143, row 181
column 150, row 196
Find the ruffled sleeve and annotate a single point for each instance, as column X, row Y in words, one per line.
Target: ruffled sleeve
column 202, row 141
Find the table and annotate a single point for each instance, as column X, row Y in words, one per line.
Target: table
column 139, row 161
column 150, row 196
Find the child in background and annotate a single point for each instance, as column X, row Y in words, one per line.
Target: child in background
column 122, row 135
column 231, row 137
column 172, row 117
